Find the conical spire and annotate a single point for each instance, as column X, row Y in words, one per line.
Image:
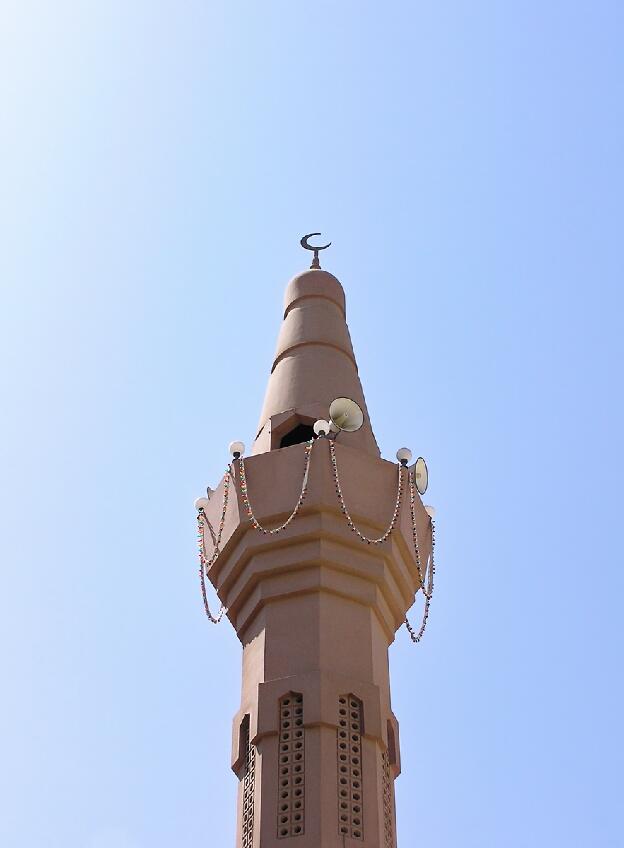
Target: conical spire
column 314, row 363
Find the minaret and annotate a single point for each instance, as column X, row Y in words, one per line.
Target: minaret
column 315, row 744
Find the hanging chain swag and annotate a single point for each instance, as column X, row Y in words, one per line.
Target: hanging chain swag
column 425, row 576
column 205, row 561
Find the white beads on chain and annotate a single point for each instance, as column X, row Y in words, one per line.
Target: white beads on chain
column 298, row 505
column 205, row 562
column 426, row 589
column 412, row 493
column 428, row 592
column 345, row 511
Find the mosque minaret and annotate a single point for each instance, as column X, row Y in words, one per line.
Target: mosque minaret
column 316, row 547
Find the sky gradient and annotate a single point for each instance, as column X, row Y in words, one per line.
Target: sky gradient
column 158, row 165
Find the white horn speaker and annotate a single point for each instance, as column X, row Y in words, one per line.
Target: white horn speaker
column 345, row 414
column 421, row 475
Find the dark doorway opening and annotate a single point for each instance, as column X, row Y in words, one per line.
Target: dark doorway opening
column 301, row 433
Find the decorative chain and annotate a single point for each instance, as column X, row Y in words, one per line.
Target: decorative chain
column 298, row 505
column 345, row 511
column 416, row 637
column 205, row 561
column 421, row 575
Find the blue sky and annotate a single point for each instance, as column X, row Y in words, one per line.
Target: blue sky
column 158, row 163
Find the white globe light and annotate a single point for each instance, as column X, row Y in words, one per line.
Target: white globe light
column 237, row 448
column 430, row 510
column 404, row 455
column 321, row 427
column 201, row 503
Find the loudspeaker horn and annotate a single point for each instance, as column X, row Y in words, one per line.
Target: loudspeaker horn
column 421, row 475
column 346, row 415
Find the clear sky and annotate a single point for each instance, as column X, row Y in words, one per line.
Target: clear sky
column 158, row 163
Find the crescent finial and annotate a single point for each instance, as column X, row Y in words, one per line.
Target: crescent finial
column 304, row 243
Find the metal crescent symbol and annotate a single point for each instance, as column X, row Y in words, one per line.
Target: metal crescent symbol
column 304, row 243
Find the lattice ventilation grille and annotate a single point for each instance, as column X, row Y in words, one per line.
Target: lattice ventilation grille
column 387, row 801
column 249, row 787
column 291, row 796
column 350, row 729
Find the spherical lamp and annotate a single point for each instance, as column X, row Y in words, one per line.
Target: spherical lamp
column 321, row 427
column 404, row 455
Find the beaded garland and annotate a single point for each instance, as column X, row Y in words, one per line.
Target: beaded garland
column 345, row 511
column 416, row 637
column 298, row 505
column 412, row 493
column 205, row 562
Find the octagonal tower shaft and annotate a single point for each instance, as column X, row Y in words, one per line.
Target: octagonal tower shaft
column 315, row 743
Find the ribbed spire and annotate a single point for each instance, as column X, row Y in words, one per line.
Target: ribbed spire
column 314, row 361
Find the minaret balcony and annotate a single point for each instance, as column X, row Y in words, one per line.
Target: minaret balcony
column 317, row 552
